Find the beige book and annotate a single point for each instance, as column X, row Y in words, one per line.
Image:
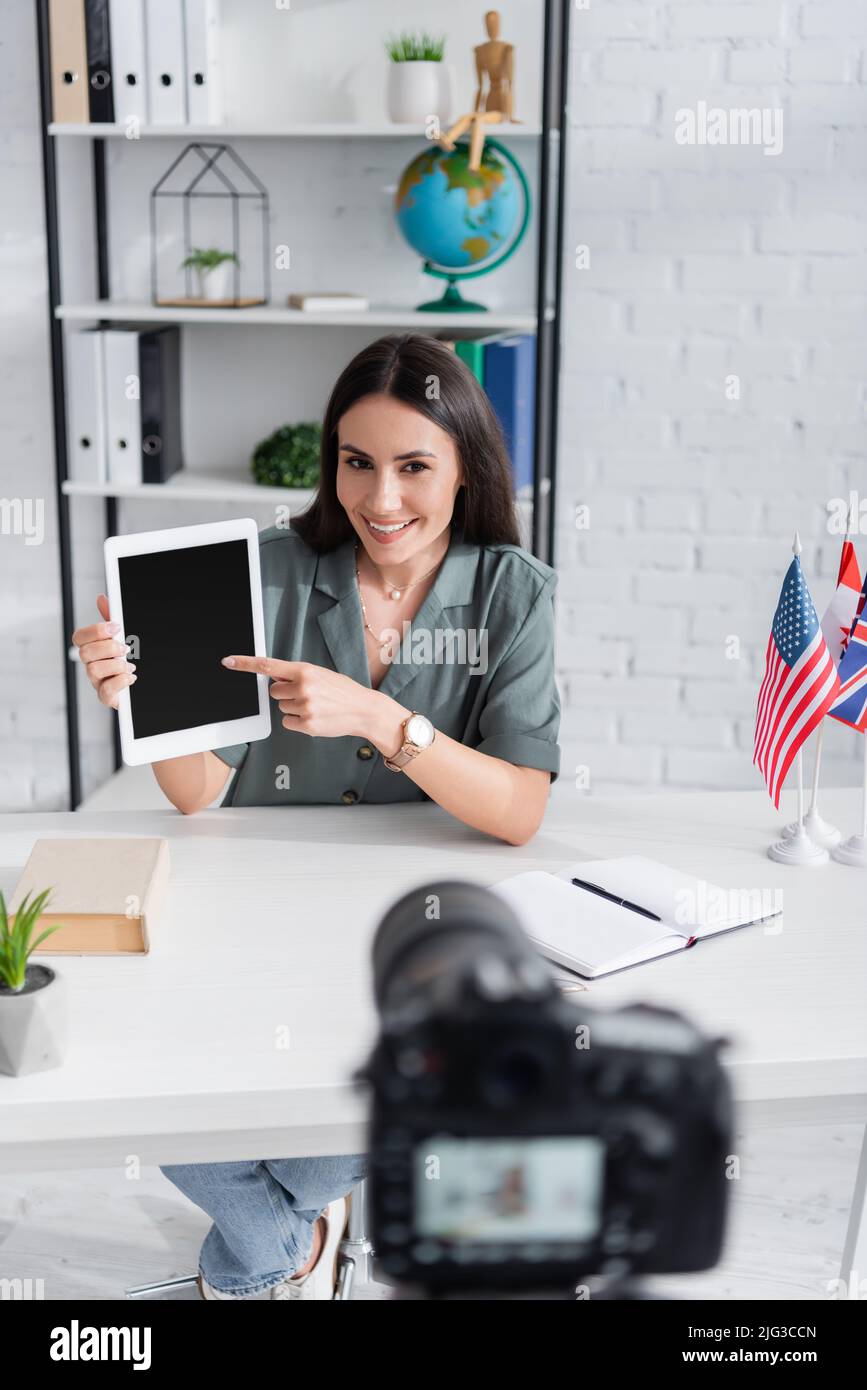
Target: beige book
column 325, row 300
column 107, row 894
column 69, row 75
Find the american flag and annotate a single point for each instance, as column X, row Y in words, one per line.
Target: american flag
column 850, row 706
column 800, row 684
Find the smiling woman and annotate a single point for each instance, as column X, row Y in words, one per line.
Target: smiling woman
column 412, row 535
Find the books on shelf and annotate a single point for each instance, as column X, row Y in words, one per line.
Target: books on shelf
column 151, row 61
column 510, row 381
column 325, row 301
column 505, row 365
column 123, row 404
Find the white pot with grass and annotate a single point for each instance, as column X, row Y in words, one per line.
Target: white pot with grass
column 418, row 85
column 213, row 271
column 33, row 1008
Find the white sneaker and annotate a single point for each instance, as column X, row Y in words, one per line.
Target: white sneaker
column 320, row 1281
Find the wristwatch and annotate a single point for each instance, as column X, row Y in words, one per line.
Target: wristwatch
column 418, row 734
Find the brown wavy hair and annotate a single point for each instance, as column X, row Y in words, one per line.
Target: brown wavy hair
column 400, row 365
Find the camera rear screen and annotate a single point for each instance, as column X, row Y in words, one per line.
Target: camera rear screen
column 183, row 611
column 471, row 1190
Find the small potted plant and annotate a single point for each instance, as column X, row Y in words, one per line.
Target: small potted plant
column 211, row 267
column 419, row 83
column 32, row 997
column 289, row 457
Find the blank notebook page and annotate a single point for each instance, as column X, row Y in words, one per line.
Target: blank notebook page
column 567, row 922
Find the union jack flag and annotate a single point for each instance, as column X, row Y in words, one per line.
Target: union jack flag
column 800, row 684
column 850, row 706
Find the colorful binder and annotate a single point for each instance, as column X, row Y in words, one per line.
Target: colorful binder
column 510, row 381
column 68, row 57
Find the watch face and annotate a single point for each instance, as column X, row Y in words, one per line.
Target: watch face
column 419, row 731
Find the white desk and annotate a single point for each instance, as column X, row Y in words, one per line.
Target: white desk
column 174, row 1056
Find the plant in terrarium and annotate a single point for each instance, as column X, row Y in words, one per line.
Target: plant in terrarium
column 211, row 267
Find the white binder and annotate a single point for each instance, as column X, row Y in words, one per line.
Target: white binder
column 128, row 60
column 122, row 405
column 164, row 36
column 85, row 407
column 202, row 42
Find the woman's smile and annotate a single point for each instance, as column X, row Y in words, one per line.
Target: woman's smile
column 387, row 532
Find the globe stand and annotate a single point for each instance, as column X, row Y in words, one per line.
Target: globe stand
column 452, row 302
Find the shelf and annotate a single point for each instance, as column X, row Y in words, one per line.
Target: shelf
column 195, row 485
column 519, row 320
column 200, row 485
column 377, row 130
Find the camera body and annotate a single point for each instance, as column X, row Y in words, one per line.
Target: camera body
column 519, row 1139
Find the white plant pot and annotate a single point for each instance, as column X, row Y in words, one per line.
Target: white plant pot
column 33, row 1023
column 216, row 283
column 417, row 91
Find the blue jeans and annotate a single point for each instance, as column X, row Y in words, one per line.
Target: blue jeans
column 264, row 1213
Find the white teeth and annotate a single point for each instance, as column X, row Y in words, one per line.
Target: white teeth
column 399, row 526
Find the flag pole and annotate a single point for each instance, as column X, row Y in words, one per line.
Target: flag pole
column 818, row 829
column 796, row 846
column 854, row 850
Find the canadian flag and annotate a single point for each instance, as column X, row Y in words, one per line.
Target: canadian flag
column 840, row 613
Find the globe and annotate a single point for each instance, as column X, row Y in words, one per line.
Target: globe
column 460, row 221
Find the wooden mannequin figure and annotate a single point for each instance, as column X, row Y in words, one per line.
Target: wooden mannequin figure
column 496, row 60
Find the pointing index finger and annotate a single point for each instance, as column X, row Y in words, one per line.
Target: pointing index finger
column 263, row 666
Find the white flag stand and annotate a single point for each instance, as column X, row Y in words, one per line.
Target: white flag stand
column 819, row 830
column 799, row 848
column 854, row 850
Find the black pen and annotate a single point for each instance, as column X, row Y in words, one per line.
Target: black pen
column 612, row 898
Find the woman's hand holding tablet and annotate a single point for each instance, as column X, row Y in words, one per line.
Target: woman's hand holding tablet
column 103, row 654
column 180, row 597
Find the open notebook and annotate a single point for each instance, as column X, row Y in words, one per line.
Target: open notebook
column 594, row 936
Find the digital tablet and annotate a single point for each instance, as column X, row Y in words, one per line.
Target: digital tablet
column 185, row 598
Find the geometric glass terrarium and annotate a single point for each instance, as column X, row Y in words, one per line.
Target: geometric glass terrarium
column 209, row 232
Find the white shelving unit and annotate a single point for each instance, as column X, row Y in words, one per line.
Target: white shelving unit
column 292, row 82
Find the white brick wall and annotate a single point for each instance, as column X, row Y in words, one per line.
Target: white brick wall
column 705, row 261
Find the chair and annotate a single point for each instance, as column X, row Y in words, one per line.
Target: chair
column 354, row 1259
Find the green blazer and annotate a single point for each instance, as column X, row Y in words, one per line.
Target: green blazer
column 478, row 661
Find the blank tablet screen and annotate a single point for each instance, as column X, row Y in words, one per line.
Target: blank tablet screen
column 188, row 609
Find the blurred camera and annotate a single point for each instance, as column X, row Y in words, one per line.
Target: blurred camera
column 519, row 1139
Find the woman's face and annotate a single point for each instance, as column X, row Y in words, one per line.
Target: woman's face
column 397, row 477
